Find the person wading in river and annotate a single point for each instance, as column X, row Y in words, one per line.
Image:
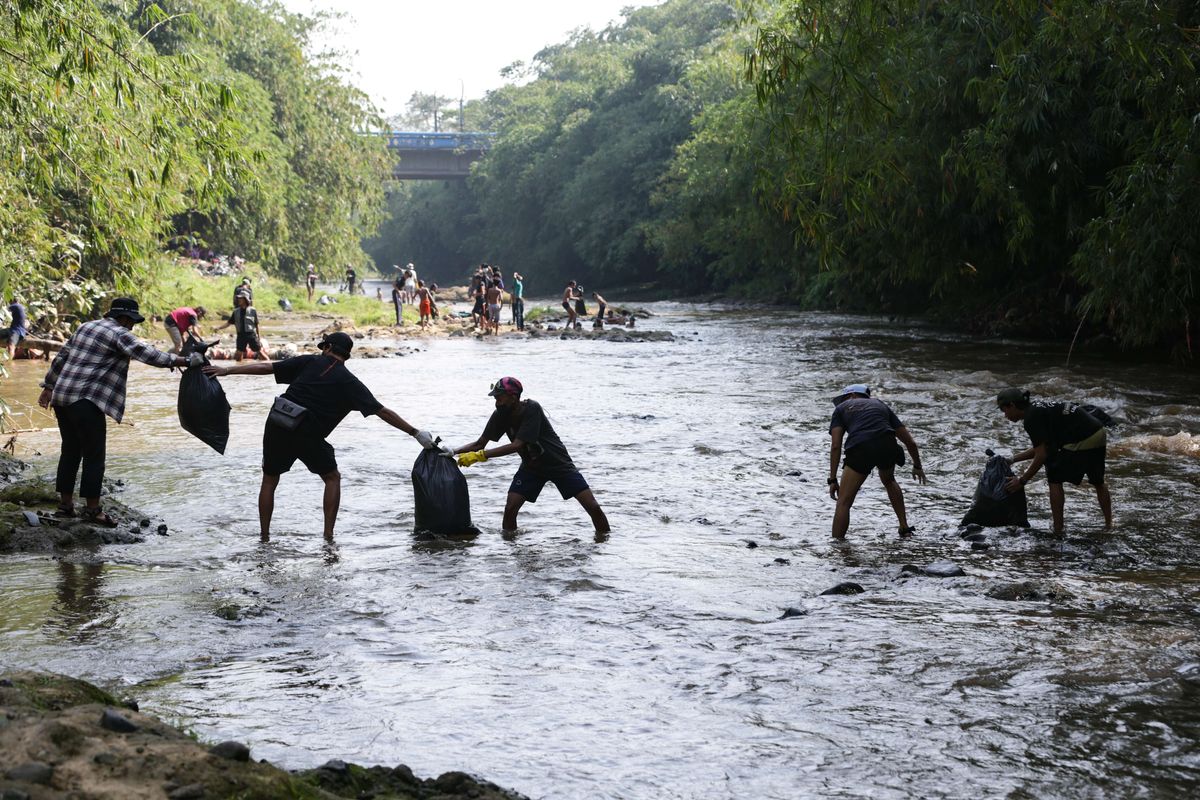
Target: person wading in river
column 870, row 430
column 324, row 391
column 544, row 459
column 1068, row 439
column 85, row 381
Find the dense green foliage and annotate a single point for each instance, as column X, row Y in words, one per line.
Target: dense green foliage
column 130, row 126
column 1010, row 164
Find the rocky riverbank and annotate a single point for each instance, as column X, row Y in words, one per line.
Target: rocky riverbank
column 28, row 522
column 64, row 738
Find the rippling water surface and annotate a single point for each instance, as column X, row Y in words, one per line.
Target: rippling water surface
column 655, row 664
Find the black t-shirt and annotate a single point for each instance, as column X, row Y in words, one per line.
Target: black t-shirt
column 543, row 453
column 1056, row 424
column 863, row 419
column 329, row 391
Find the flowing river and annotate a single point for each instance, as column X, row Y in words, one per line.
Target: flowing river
column 656, row 664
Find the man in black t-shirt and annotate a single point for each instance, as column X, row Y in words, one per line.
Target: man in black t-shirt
column 544, row 458
column 1068, row 439
column 871, row 430
column 327, row 391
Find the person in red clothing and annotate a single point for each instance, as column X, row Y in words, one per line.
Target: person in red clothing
column 182, row 321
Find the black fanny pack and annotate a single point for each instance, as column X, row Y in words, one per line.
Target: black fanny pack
column 286, row 414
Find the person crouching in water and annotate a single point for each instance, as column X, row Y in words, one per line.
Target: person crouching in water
column 325, row 392
column 870, row 430
column 544, row 459
column 244, row 320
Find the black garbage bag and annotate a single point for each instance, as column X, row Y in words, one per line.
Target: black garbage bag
column 994, row 507
column 203, row 409
column 442, row 500
column 285, row 304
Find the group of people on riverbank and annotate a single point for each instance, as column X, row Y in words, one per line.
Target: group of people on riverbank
column 1069, row 439
column 87, row 381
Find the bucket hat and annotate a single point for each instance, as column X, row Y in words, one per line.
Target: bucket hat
column 125, row 307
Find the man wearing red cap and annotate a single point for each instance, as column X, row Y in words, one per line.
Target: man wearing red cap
column 544, row 458
column 321, row 392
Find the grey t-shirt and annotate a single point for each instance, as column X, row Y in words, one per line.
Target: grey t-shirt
column 863, row 419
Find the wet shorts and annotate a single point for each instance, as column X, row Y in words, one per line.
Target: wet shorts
column 882, row 451
column 529, row 485
column 282, row 448
column 11, row 336
column 478, row 307
column 245, row 340
column 1069, row 466
column 494, row 312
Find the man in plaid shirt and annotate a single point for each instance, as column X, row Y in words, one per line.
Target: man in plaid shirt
column 85, row 382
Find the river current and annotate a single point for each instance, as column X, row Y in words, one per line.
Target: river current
column 655, row 664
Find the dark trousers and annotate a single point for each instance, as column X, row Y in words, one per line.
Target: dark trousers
column 518, row 309
column 84, row 430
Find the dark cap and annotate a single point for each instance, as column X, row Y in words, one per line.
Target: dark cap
column 338, row 342
column 506, row 386
column 125, row 307
column 1012, row 395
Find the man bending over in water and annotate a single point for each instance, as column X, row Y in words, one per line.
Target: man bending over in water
column 544, row 459
column 870, row 429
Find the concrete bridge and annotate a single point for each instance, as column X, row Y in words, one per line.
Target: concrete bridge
column 436, row 156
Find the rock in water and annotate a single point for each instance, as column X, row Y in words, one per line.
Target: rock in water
column 943, row 569
column 848, row 587
column 790, row 612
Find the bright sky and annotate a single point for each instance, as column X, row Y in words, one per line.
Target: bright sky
column 397, row 47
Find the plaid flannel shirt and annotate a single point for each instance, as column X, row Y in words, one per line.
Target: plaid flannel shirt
column 94, row 365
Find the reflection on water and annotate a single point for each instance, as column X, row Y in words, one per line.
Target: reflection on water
column 656, row 664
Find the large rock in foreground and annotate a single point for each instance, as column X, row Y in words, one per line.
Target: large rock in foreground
column 61, row 737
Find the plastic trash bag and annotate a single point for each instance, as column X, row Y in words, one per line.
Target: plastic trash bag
column 203, row 409
column 993, row 507
column 285, row 304
column 443, row 504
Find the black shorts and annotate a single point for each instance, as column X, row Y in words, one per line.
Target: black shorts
column 1069, row 466
column 882, row 451
column 245, row 340
column 529, row 485
column 281, row 449
column 11, row 336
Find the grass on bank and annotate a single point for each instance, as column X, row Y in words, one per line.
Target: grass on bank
column 171, row 284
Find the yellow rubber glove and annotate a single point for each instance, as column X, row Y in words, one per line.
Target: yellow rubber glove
column 473, row 457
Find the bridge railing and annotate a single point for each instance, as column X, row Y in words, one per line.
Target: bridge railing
column 418, row 140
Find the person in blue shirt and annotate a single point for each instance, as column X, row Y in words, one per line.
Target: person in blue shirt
column 17, row 329
column 870, row 431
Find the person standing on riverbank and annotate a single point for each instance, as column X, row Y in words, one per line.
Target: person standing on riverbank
column 494, row 298
column 324, row 392
column 310, row 281
column 1068, row 439
column 517, row 298
column 351, row 278
column 544, row 458
column 870, row 430
column 424, row 304
column 185, row 321
column 603, row 304
column 398, row 301
column 85, row 382
column 568, row 302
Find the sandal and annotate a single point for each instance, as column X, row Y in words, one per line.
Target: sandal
column 97, row 516
column 907, row 532
column 65, row 512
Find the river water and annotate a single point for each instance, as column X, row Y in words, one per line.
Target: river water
column 655, row 664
